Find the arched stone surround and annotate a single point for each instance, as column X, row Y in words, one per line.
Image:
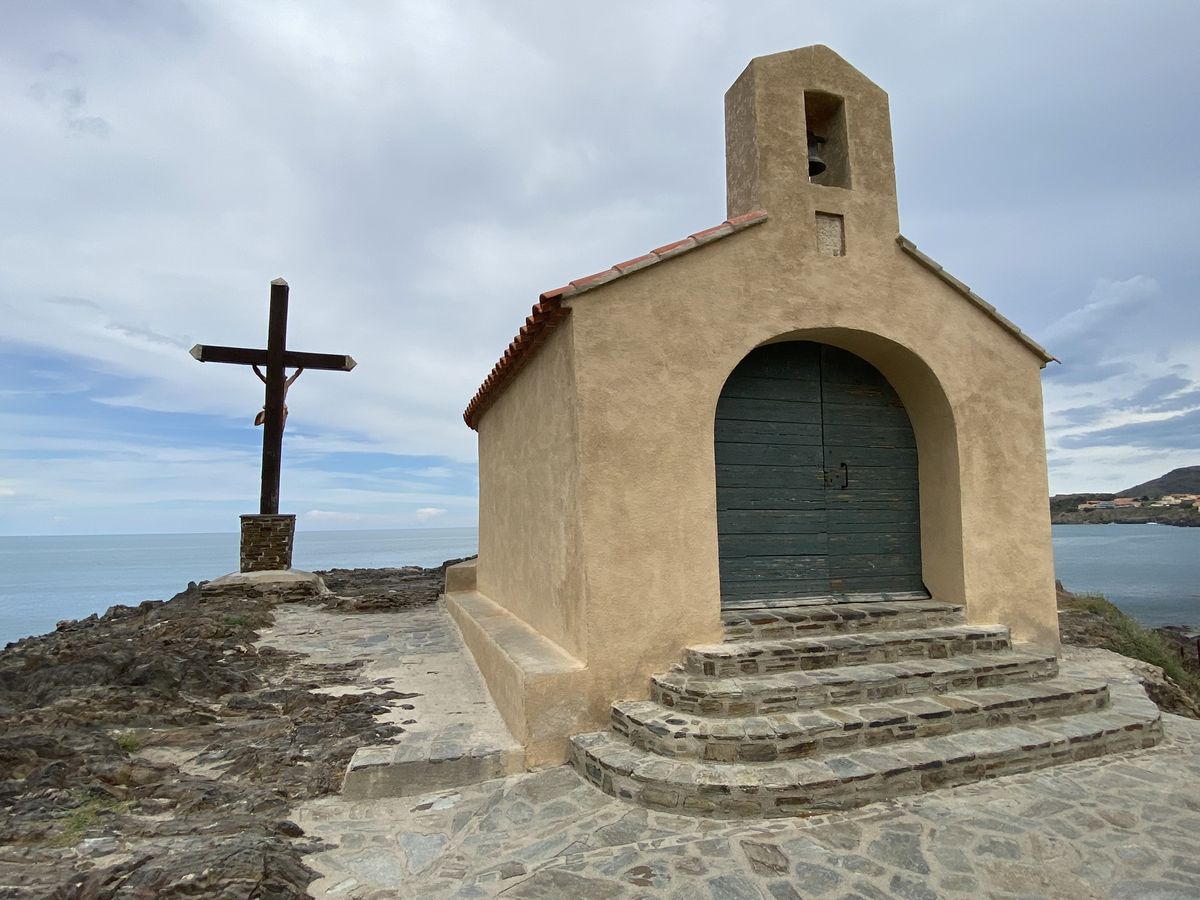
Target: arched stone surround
column 932, row 419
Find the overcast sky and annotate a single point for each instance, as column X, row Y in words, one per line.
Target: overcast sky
column 420, row 171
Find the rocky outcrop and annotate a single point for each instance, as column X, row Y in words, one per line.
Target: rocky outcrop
column 1094, row 622
column 155, row 751
column 386, row 590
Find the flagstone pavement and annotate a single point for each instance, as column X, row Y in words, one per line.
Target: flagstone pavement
column 1125, row 826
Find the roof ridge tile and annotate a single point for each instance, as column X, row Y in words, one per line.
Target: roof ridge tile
column 987, row 308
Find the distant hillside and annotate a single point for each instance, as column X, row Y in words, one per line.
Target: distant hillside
column 1177, row 481
column 1064, row 508
column 1065, row 503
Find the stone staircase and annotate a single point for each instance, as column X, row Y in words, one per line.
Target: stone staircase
column 825, row 706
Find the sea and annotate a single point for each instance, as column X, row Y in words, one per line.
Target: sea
column 46, row 579
column 1151, row 571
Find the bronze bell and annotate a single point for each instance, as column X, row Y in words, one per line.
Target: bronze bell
column 816, row 165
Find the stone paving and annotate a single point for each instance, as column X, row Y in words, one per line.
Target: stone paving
column 453, row 733
column 1122, row 827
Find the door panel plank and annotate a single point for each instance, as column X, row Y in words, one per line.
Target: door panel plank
column 842, row 414
column 786, row 544
column 871, row 457
column 775, row 499
column 754, row 387
column 762, row 454
column 871, row 564
column 841, row 518
column 770, row 477
column 872, row 543
column 789, row 360
column 747, row 431
column 890, row 435
column 870, row 583
column 775, row 589
column 758, row 410
column 758, row 568
column 775, row 521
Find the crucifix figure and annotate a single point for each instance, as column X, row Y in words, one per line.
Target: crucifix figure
column 273, row 360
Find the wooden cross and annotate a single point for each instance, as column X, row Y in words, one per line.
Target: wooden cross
column 274, row 359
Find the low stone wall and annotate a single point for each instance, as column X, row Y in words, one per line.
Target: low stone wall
column 267, row 542
column 539, row 688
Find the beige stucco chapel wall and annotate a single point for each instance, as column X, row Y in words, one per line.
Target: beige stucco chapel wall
column 597, row 476
column 521, row 605
column 531, row 550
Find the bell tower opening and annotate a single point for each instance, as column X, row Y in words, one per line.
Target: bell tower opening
column 828, row 147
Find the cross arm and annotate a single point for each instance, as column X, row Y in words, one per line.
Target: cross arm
column 293, row 358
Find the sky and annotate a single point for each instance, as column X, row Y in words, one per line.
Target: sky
column 420, row 171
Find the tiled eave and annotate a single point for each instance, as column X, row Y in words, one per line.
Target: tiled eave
column 990, row 311
column 549, row 311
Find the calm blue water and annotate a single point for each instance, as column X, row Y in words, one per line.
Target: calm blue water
column 1150, row 571
column 45, row 579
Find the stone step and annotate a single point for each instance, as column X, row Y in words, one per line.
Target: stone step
column 862, row 648
column 825, row 599
column 837, row 618
column 709, row 695
column 797, row 735
column 845, row 780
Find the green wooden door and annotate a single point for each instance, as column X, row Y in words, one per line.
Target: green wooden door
column 816, row 478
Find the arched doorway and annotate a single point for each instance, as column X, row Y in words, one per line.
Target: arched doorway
column 817, row 488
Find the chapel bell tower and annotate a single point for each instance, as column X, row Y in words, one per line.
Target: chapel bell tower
column 808, row 138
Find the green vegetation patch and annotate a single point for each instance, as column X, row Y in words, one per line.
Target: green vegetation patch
column 85, row 816
column 130, row 741
column 1133, row 640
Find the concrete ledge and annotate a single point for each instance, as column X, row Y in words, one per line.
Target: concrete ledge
column 539, row 688
column 460, row 578
column 407, row 770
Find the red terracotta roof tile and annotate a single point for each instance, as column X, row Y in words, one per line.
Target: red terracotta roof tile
column 710, row 234
column 549, row 311
column 595, row 280
column 673, row 248
column 749, row 218
column 555, row 294
column 640, row 262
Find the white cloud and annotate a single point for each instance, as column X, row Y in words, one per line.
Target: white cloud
column 1112, row 305
column 335, row 517
column 426, row 513
column 420, row 171
column 434, row 472
column 1116, row 413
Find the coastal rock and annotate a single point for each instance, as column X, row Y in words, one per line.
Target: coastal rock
column 1084, row 625
column 155, row 751
column 386, row 590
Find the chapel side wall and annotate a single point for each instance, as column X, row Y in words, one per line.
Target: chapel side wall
column 529, row 538
column 660, row 346
column 1006, row 512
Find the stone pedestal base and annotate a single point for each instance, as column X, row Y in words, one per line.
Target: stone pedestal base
column 267, row 543
column 282, row 586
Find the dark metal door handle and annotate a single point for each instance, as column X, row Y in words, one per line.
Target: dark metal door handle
column 845, row 476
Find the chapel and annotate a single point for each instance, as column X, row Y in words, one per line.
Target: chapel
column 717, row 477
